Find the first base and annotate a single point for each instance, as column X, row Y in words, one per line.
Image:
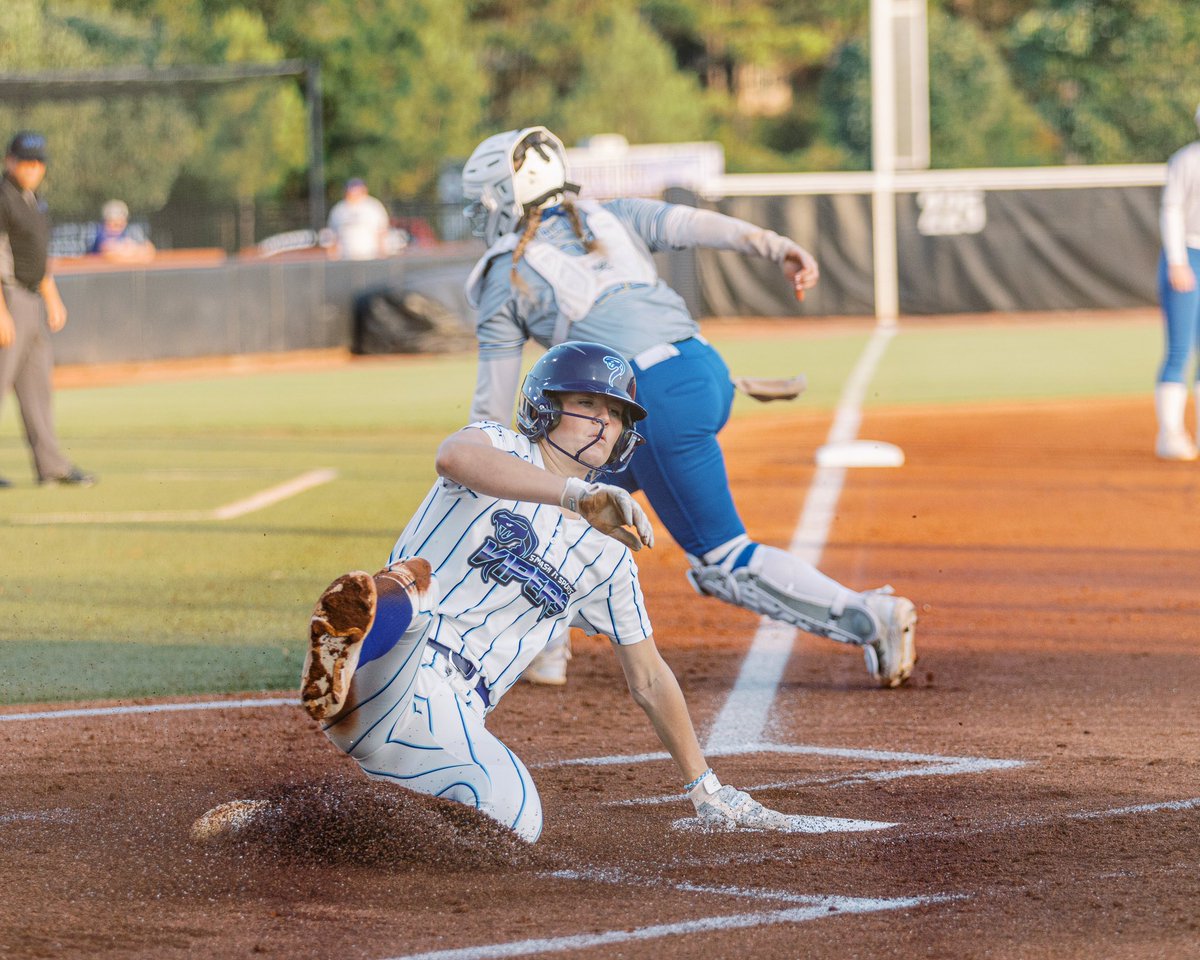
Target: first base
column 860, row 453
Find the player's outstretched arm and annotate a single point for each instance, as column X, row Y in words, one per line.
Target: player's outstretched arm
column 655, row 689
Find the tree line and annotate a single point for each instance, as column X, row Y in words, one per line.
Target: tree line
column 410, row 84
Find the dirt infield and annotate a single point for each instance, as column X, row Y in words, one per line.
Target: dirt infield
column 1040, row 774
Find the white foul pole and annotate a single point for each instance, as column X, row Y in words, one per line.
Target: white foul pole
column 899, row 128
column 883, row 162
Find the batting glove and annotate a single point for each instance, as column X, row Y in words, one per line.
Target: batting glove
column 610, row 510
column 727, row 807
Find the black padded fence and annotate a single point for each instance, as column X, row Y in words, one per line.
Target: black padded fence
column 958, row 251
column 236, row 307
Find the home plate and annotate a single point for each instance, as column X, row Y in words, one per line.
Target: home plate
column 792, row 823
column 860, row 453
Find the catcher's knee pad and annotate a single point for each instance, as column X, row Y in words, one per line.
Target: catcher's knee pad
column 783, row 587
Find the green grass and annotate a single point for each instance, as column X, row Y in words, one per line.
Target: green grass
column 119, row 610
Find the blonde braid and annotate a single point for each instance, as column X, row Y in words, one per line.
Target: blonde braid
column 533, row 221
column 590, row 244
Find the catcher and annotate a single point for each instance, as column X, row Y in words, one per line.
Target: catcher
column 559, row 268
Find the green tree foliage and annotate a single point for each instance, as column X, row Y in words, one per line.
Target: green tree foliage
column 115, row 146
column 403, row 88
column 976, row 115
column 1116, row 77
column 412, row 84
column 620, row 62
column 252, row 135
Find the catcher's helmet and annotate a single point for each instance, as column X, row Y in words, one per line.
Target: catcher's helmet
column 510, row 174
column 578, row 366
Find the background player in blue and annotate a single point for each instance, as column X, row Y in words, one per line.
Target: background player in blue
column 1178, row 266
column 559, row 268
column 512, row 545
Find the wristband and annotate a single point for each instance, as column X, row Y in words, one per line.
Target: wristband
column 574, row 491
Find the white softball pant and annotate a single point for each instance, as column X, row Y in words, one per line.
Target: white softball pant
column 412, row 720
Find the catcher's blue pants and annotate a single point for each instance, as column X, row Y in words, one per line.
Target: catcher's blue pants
column 687, row 393
column 1181, row 316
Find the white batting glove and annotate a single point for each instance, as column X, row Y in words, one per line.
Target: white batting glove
column 610, row 510
column 728, row 807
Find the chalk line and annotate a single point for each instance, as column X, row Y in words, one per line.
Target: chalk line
column 257, row 501
column 151, row 708
column 742, row 921
column 743, row 718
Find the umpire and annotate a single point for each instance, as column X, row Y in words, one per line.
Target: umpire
column 30, row 307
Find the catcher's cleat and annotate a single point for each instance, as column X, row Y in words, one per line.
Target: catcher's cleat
column 549, row 668
column 229, row 819
column 341, row 620
column 891, row 654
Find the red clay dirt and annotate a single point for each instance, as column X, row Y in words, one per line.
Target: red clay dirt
column 1053, row 562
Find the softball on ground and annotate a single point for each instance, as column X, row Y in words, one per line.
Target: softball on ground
column 227, row 819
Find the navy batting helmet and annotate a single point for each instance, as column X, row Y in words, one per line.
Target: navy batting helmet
column 577, row 366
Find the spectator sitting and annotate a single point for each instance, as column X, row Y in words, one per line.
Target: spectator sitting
column 359, row 225
column 118, row 239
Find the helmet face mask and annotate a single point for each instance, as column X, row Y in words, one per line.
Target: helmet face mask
column 508, row 175
column 580, row 367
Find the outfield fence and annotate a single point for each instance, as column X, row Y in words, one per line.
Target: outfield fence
column 967, row 241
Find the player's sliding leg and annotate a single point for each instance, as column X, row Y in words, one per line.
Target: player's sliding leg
column 440, row 747
column 780, row 585
column 402, row 715
column 358, row 618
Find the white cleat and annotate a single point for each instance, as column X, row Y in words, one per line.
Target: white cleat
column 891, row 655
column 549, row 668
column 1175, row 446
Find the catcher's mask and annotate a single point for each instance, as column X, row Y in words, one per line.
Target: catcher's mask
column 511, row 174
column 577, row 366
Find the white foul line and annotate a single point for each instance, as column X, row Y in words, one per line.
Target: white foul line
column 150, row 708
column 258, row 501
column 743, row 718
column 740, row 921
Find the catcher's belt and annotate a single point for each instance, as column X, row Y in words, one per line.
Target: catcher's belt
column 662, row 351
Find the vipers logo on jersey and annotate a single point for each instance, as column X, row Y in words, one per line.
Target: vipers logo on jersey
column 509, row 556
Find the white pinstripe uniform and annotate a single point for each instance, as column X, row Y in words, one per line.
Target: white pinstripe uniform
column 510, row 575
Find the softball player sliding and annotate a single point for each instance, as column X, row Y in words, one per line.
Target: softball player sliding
column 559, row 268
column 513, row 545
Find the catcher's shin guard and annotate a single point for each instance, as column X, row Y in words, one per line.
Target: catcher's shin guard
column 783, row 587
